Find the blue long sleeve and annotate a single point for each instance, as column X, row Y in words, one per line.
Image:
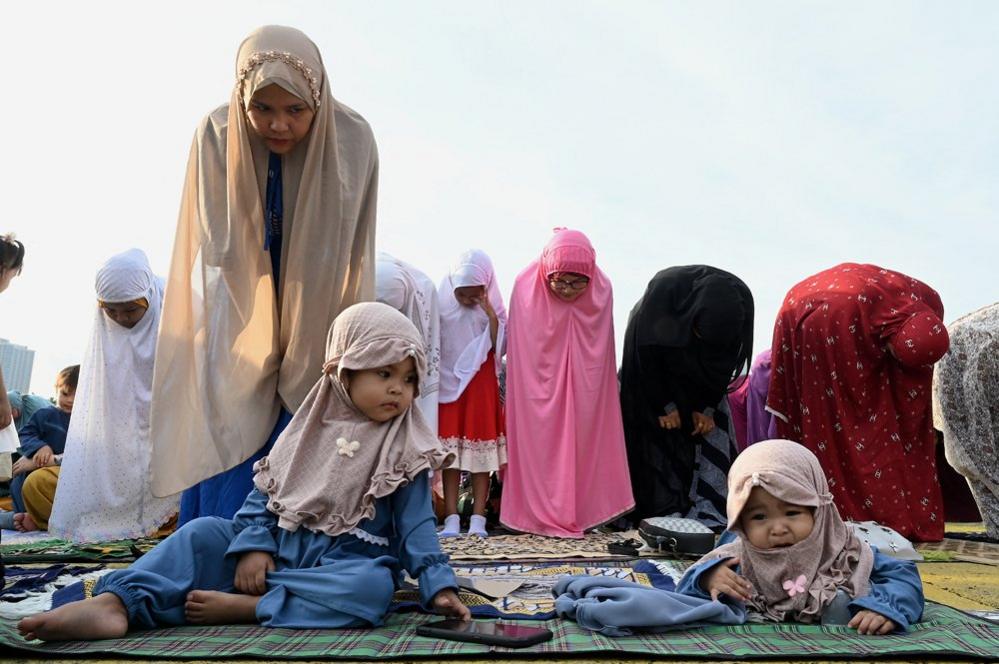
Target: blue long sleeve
column 690, row 584
column 47, row 426
column 256, row 527
column 416, row 539
column 896, row 592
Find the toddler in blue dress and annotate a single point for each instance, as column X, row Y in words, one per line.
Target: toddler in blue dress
column 341, row 506
column 794, row 557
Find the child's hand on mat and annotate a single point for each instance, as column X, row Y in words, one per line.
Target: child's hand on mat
column 724, row 579
column 703, row 424
column 446, row 603
column 251, row 572
column 671, row 421
column 43, row 457
column 870, row 622
column 23, row 465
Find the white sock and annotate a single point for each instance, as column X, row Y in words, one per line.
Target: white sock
column 452, row 526
column 477, row 526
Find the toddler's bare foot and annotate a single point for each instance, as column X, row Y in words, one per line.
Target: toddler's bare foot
column 24, row 522
column 101, row 617
column 211, row 607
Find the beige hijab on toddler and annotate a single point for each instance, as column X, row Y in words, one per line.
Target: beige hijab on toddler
column 332, row 463
column 830, row 558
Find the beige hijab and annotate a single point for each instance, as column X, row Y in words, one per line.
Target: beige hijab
column 332, row 463
column 831, row 557
column 232, row 352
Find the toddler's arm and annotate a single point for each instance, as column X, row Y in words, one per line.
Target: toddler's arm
column 256, row 526
column 416, row 540
column 696, row 582
column 896, row 592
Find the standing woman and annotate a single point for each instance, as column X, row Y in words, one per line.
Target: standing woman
column 567, row 468
column 11, row 261
column 412, row 293
column 688, row 338
column 275, row 238
column 853, row 354
column 966, row 405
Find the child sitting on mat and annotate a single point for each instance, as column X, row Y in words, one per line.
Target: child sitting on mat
column 341, row 507
column 795, row 558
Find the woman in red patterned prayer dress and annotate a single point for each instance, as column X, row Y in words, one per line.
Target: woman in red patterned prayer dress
column 853, row 354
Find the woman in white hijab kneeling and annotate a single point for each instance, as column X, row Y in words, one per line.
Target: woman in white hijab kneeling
column 103, row 492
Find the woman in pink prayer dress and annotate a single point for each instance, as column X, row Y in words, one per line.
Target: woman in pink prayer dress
column 567, row 466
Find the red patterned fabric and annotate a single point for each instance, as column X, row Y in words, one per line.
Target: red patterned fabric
column 863, row 408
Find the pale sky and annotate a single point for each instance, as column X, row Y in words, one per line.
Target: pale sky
column 771, row 139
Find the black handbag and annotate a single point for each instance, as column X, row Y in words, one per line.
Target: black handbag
column 677, row 536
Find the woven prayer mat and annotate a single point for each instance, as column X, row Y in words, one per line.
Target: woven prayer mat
column 964, row 550
column 532, row 547
column 944, row 632
column 55, row 551
column 532, row 599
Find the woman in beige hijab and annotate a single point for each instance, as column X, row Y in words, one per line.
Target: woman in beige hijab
column 275, row 238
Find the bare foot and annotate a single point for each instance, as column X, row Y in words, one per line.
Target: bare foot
column 101, row 617
column 24, row 522
column 211, row 607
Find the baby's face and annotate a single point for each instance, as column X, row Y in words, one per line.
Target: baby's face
column 385, row 392
column 770, row 523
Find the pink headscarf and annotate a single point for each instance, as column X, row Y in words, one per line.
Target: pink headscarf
column 568, row 469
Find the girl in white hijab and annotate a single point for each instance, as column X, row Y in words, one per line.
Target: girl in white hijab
column 411, row 292
column 473, row 341
column 103, row 490
column 275, row 238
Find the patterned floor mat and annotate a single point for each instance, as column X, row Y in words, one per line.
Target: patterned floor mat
column 531, row 547
column 532, row 599
column 964, row 550
column 944, row 632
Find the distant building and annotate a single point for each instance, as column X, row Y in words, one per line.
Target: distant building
column 16, row 362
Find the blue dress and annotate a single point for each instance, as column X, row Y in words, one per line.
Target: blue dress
column 319, row 581
column 895, row 589
column 48, row 426
column 224, row 493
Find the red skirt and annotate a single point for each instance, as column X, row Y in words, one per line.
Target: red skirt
column 473, row 427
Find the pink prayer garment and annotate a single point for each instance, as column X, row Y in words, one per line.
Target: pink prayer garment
column 568, row 468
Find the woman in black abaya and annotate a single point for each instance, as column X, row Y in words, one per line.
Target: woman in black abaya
column 688, row 337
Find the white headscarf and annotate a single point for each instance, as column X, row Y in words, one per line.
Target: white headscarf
column 232, row 350
column 104, row 486
column 465, row 338
column 407, row 290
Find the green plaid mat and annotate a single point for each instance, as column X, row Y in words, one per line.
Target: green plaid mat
column 944, row 631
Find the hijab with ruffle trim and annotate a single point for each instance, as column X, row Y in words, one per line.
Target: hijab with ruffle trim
column 332, row 462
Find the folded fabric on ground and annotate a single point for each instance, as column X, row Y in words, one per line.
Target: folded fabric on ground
column 22, row 581
column 46, row 588
column 943, row 632
column 16, row 537
column 615, row 607
column 61, row 551
column 524, row 592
